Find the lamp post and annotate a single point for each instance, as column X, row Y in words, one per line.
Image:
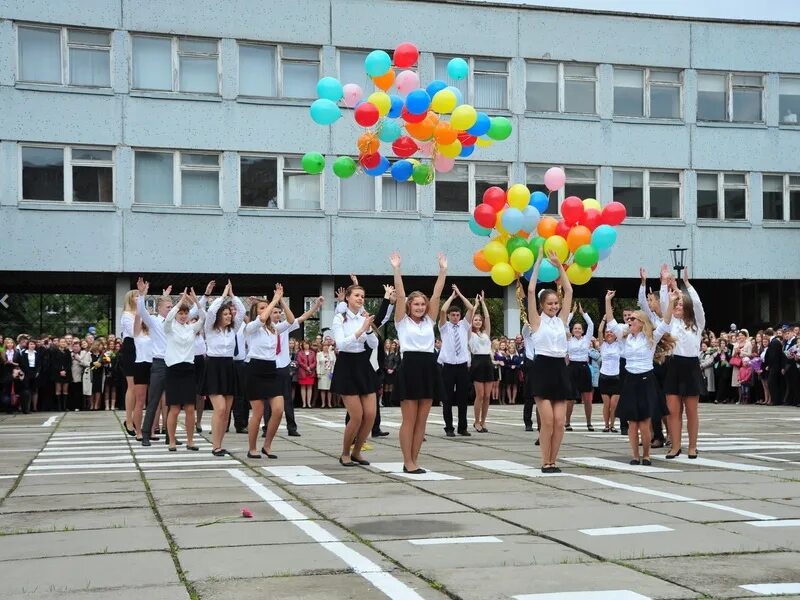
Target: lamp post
column 678, row 259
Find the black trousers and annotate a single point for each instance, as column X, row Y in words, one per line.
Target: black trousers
column 775, row 385
column 456, row 387
column 792, row 379
column 241, row 407
column 288, row 401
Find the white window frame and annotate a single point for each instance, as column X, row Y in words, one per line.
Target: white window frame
column 470, row 99
column 67, row 166
column 647, row 85
column 646, row 185
column 472, row 201
column 781, row 79
column 561, row 85
column 177, row 176
column 280, row 158
column 378, row 196
column 175, row 55
column 729, row 87
column 787, row 188
column 560, row 194
column 279, row 62
column 721, row 187
column 64, row 47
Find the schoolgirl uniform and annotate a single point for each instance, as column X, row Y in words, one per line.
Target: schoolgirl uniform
column 609, row 383
column 220, row 376
column 527, row 389
column 480, row 346
column 353, row 375
column 200, row 364
column 578, row 351
column 128, row 350
column 418, row 377
column 241, row 409
column 144, row 359
column 549, row 375
column 683, row 376
column 179, row 358
column 263, row 382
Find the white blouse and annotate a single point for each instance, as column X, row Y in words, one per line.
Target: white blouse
column 155, row 327
column 480, row 343
column 199, row 345
column 180, row 338
column 638, row 349
column 126, row 324
column 551, row 337
column 688, row 339
column 261, row 343
column 527, row 336
column 610, row 353
column 144, row 348
column 242, row 354
column 221, row 343
column 578, row 349
column 344, row 328
column 415, row 337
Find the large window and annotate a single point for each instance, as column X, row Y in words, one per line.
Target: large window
column 382, row 194
column 486, row 86
column 581, row 182
column 789, row 99
column 722, row 196
column 489, row 175
column 277, row 182
column 653, row 93
column 175, row 64
column 730, row 97
column 278, row 71
column 259, row 181
column 781, row 196
column 561, row 87
column 87, row 56
column 67, row 174
column 649, row 194
column 182, row 178
column 452, row 190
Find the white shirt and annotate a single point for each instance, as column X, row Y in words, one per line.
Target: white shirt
column 221, row 343
column 578, row 349
column 144, row 348
column 344, row 328
column 480, row 343
column 199, row 345
column 646, row 307
column 450, row 353
column 610, row 354
column 283, row 358
column 551, row 337
column 126, row 324
column 342, row 308
column 242, row 354
column 180, row 338
column 155, row 325
column 687, row 339
column 261, row 343
column 527, row 336
column 31, row 358
column 415, row 337
column 638, row 349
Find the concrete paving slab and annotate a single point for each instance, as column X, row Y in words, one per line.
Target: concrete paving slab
column 206, row 496
column 764, row 491
column 60, row 520
column 156, row 592
column 191, row 514
column 787, row 538
column 58, row 489
column 78, row 478
column 73, row 543
column 75, row 502
column 538, row 498
column 627, row 497
column 591, row 514
column 704, row 514
column 424, row 525
column 221, row 480
column 398, row 504
column 379, row 489
column 247, row 532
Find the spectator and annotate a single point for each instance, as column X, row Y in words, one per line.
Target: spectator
column 326, row 359
column 306, row 360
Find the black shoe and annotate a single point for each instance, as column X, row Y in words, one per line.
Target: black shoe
column 548, row 469
column 256, row 455
column 555, row 469
column 450, row 433
column 193, row 448
column 130, row 432
column 241, row 430
column 380, row 434
column 528, row 428
column 567, row 427
column 646, row 462
column 163, row 432
column 692, row 456
column 416, row 471
column 536, row 443
column 678, row 453
column 145, row 441
column 589, row 428
column 198, row 429
column 623, row 431
column 267, row 454
column 484, row 430
column 171, row 449
column 222, row 452
column 294, row 433
column 359, row 461
column 635, row 461
column 348, row 464
column 465, row 433
column 138, row 439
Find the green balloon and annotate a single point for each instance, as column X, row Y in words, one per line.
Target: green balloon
column 422, row 174
column 514, row 243
column 587, row 255
column 344, row 167
column 499, row 128
column 313, row 162
column 535, row 244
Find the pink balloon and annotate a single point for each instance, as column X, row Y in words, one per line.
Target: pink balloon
column 555, row 178
column 352, row 94
column 426, row 148
column 406, row 82
column 443, row 164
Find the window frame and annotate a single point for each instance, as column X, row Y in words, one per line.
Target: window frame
column 67, row 165
column 561, row 85
column 378, row 197
column 646, row 185
column 279, row 62
column 729, row 88
column 786, row 189
column 721, row 187
column 781, row 78
column 560, row 194
column 64, row 60
column 472, row 200
column 175, row 62
column 647, row 86
column 177, row 177
column 470, row 95
column 279, row 191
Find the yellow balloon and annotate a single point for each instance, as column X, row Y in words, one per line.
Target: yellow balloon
column 503, row 274
column 521, row 259
column 495, row 252
column 557, row 244
column 444, row 101
column 591, row 203
column 464, row 117
column 451, row 150
column 518, row 196
column 578, row 274
column 382, row 101
column 484, row 143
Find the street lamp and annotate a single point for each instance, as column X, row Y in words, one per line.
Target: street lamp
column 678, row 259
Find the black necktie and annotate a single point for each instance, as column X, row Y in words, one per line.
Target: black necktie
column 236, row 345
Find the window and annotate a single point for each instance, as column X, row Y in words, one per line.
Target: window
column 535, row 182
column 383, row 194
column 398, row 195
column 357, row 193
column 629, row 190
column 649, row 194
column 452, row 190
column 351, row 69
column 647, row 93
column 277, row 182
column 176, row 64
column 278, row 71
column 180, row 178
column 301, row 191
column 781, row 197
column 561, row 87
column 722, row 196
column 486, row 86
column 259, row 182
column 487, row 176
column 730, row 97
column 581, row 182
column 88, row 56
column 789, row 99
column 67, row 174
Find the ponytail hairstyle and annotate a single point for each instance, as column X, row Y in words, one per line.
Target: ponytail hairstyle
column 129, row 304
column 689, row 320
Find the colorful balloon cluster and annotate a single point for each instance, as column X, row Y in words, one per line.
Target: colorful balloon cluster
column 583, row 237
column 432, row 123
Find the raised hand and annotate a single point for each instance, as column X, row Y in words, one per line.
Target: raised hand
column 340, row 294
column 643, row 275
column 580, row 309
column 353, row 279
column 665, row 273
column 610, row 294
column 442, row 261
column 387, row 291
column 685, row 276
column 143, row 286
column 210, row 287
column 554, row 260
column 192, row 296
column 319, row 302
column 167, row 291
column 482, row 296
column 278, row 291
column 674, row 294
column 184, row 299
column 395, row 260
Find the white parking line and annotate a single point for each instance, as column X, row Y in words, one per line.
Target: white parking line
column 50, row 421
column 603, row 463
column 482, row 539
column 601, row 595
column 302, row 475
column 778, row 523
column 772, row 589
column 630, row 530
column 396, row 468
column 719, row 464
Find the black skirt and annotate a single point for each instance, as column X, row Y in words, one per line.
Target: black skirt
column 641, row 399
column 609, row 385
column 179, row 384
column 220, row 378
column 482, row 369
column 127, row 357
column 418, row 378
column 141, row 373
column 263, row 382
column 353, row 375
column 240, row 370
column 200, row 374
column 683, row 376
column 549, row 378
column 581, row 378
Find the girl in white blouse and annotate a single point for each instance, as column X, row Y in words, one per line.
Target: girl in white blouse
column 141, row 373
column 609, row 380
column 481, row 368
column 419, row 379
column 580, row 375
column 550, row 384
column 127, row 357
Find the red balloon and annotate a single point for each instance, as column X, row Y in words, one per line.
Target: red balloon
column 467, row 139
column 370, row 161
column 614, row 213
column 495, row 197
column 572, row 209
column 485, row 215
column 404, row 146
column 409, row 118
column 592, row 218
column 563, row 229
column 405, row 55
column 366, row 114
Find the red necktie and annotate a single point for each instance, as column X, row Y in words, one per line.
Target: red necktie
column 278, row 348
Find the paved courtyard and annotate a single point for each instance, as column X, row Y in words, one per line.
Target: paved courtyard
column 88, row 514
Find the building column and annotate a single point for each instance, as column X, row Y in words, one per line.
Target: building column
column 511, row 315
column 122, row 286
column 327, row 291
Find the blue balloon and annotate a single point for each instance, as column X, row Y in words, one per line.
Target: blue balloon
column 459, row 95
column 324, row 111
column 481, row 126
column 434, row 86
column 401, row 170
column 397, row 107
column 457, row 69
column 477, row 229
column 377, row 63
column 547, row 272
column 604, row 254
column 330, row 88
column 417, row 102
column 539, row 201
column 528, row 274
column 604, row 237
column 389, row 132
column 512, row 220
column 380, row 169
column 466, row 151
column 530, row 218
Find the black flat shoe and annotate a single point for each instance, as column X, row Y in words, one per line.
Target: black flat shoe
column 589, row 428
column 171, row 449
column 138, row 439
column 145, row 442
column 294, row 434
column 416, row 471
column 568, row 428
column 348, row 464
column 465, row 433
column 359, row 461
column 646, row 462
column 130, row 432
column 221, row 452
column 536, row 443
column 529, row 429
column 267, row 454
column 241, row 430
column 198, row 429
column 380, row 434
column 450, row 433
column 555, row 469
column 484, row 430
column 251, row 455
column 671, row 456
column 192, row 448
column 635, row 461
column 692, row 456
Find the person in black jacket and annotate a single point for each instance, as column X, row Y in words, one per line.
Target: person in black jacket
column 43, row 400
column 60, row 371
column 30, row 363
column 774, row 362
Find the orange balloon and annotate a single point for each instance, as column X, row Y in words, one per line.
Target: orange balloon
column 445, row 134
column 523, row 234
column 368, row 143
column 480, row 262
column 423, row 130
column 547, row 227
column 578, row 236
column 384, row 81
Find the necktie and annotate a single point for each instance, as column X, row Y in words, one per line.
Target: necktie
column 457, row 340
column 236, row 345
column 278, row 347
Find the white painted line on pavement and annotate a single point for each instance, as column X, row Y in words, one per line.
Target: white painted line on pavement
column 50, row 421
column 396, row 468
column 176, row 463
column 73, row 473
column 48, row 459
column 302, row 475
column 84, row 466
column 597, row 595
column 630, row 530
column 768, row 458
column 751, row 446
column 513, row 468
column 719, row 464
column 778, row 523
column 85, row 443
column 89, row 435
column 604, row 463
column 385, row 582
column 481, row 539
column 772, row 589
